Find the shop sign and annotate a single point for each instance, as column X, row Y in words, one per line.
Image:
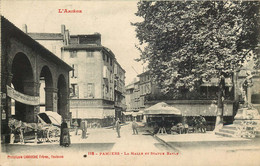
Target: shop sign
column 22, row 98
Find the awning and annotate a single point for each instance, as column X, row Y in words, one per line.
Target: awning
column 162, row 109
column 140, row 113
column 134, row 114
column 127, row 113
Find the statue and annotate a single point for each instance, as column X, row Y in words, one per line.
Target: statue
column 247, row 83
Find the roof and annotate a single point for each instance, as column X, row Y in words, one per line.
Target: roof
column 119, row 65
column 46, row 36
column 11, row 30
column 88, row 47
column 144, row 73
column 130, row 86
column 83, row 46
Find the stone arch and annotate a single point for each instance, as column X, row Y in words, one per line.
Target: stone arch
column 46, row 90
column 23, row 82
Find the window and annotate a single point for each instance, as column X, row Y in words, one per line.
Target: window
column 73, row 54
column 74, row 90
column 74, row 71
column 90, row 54
column 90, row 90
column 111, row 94
column 104, row 57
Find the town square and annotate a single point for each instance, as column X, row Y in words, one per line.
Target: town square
column 130, row 82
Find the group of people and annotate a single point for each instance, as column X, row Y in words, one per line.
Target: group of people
column 198, row 124
column 83, row 127
column 116, row 124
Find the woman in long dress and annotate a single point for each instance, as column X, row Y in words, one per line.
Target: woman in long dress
column 64, row 135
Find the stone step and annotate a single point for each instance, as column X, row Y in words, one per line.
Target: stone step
column 224, row 134
column 238, row 122
column 227, row 131
column 230, row 127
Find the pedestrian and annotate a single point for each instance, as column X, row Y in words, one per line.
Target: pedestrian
column 114, row 123
column 76, row 125
column 118, row 127
column 202, row 124
column 134, row 127
column 84, row 129
column 185, row 125
column 65, row 135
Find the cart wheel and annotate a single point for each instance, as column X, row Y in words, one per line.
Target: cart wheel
column 41, row 135
column 52, row 135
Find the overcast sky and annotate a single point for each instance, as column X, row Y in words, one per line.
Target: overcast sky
column 110, row 18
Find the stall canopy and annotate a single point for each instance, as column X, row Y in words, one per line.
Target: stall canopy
column 162, row 109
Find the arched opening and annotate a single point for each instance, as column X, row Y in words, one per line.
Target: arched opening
column 62, row 96
column 46, row 90
column 23, row 82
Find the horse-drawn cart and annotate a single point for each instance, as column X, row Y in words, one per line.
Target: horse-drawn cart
column 46, row 130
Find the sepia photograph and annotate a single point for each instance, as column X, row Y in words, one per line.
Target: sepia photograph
column 123, row 83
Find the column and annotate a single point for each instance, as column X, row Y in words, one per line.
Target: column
column 51, row 99
column 31, row 88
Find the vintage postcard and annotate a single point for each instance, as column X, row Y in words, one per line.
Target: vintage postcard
column 130, row 83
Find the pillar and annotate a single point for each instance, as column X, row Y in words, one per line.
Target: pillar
column 51, row 99
column 31, row 88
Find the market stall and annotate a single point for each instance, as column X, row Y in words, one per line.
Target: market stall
column 162, row 110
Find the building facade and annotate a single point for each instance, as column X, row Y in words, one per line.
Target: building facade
column 201, row 102
column 24, row 65
column 97, row 80
column 92, row 81
column 119, row 76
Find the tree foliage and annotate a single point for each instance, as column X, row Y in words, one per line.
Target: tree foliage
column 185, row 43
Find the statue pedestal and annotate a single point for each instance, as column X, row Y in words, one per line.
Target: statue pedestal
column 247, row 122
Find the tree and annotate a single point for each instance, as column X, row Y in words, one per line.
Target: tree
column 186, row 43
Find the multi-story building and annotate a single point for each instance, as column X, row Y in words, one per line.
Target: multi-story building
column 119, row 95
column 133, row 102
column 97, row 79
column 129, row 97
column 92, row 81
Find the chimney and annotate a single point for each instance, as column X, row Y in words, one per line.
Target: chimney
column 63, row 28
column 67, row 37
column 24, row 28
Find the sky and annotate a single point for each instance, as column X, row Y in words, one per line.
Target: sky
column 109, row 18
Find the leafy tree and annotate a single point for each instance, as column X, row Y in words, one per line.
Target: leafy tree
column 186, row 43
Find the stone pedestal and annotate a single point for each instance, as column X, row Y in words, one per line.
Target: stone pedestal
column 247, row 122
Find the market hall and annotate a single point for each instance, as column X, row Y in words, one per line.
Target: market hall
column 25, row 67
